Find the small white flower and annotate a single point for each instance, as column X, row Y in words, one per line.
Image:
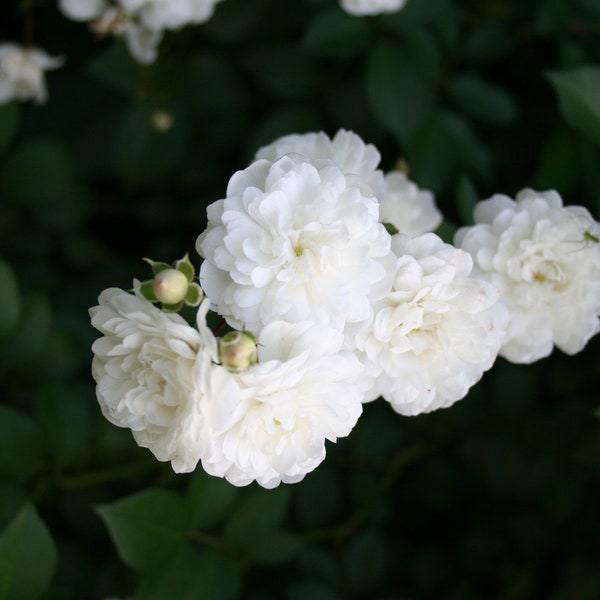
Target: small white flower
column 371, row 7
column 22, row 73
column 271, row 421
column 410, row 210
column 152, row 369
column 294, row 240
column 435, row 333
column 544, row 259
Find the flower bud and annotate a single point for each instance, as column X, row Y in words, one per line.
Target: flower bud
column 237, row 351
column 162, row 121
column 170, row 286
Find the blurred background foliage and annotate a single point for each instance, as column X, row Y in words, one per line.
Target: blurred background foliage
column 496, row 497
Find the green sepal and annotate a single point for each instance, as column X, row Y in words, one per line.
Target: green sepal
column 157, row 267
column 194, row 295
column 186, row 267
column 173, row 307
column 147, row 291
column 391, row 229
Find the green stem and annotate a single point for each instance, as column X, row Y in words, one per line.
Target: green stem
column 213, row 542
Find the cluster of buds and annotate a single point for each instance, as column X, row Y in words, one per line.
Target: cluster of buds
column 174, row 287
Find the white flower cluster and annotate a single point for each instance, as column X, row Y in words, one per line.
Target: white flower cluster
column 544, row 258
column 22, row 73
column 340, row 293
column 363, row 8
column 141, row 22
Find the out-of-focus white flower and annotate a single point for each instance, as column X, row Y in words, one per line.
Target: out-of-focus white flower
column 294, row 240
column 410, row 210
column 157, row 15
column 435, row 333
column 141, row 22
column 271, row 421
column 152, row 369
column 22, row 73
column 82, row 10
column 108, row 19
column 544, row 259
column 371, row 7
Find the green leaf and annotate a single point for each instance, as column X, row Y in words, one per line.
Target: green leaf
column 20, row 445
column 366, row 560
column 54, row 196
column 558, row 165
column 147, row 290
column 209, row 499
column 194, row 295
column 10, row 301
column 12, row 498
column 398, row 93
column 578, row 93
column 482, row 100
column 116, row 68
column 312, row 590
column 146, row 155
column 157, row 266
column 232, row 21
column 282, row 70
column 414, row 15
column 191, row 575
column 320, row 499
column 274, row 548
column 216, row 98
column 31, row 338
column 335, row 34
column 9, row 124
column 173, row 308
column 260, row 512
column 27, row 557
column 58, row 407
column 433, row 165
column 147, row 528
column 316, row 562
column 390, row 228
column 186, row 267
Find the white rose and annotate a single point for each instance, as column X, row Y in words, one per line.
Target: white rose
column 294, row 240
column 371, row 7
column 410, row 210
column 544, row 259
column 271, row 421
column 347, row 150
column 22, row 73
column 151, row 369
column 432, row 337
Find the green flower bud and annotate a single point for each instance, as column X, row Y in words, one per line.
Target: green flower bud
column 237, row 351
column 170, row 286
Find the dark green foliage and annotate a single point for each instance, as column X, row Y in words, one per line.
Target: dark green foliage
column 496, row 497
